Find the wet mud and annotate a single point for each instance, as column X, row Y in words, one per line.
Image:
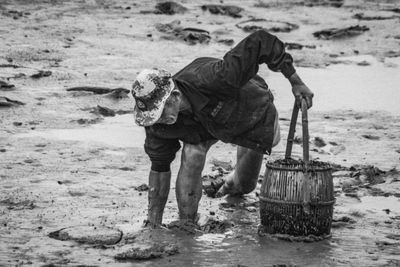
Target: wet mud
column 64, row 164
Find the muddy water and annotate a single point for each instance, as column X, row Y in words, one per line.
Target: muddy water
column 347, row 86
column 341, row 86
column 351, row 243
column 119, row 131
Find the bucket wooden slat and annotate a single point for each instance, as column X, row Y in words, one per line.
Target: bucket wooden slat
column 297, row 197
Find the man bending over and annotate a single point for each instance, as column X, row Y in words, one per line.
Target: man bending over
column 209, row 100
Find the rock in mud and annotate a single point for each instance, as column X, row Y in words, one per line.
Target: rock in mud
column 87, row 121
column 362, row 16
column 228, row 10
column 212, row 182
column 41, row 74
column 193, row 36
column 255, row 24
column 18, row 205
column 148, row 252
column 170, row 8
column 297, row 46
column 370, row 137
column 342, row 222
column 228, row 42
column 98, row 235
column 395, row 10
column 142, row 188
column 171, row 27
column 363, row 63
column 392, row 53
column 106, row 112
column 174, row 31
column 368, row 174
column 333, row 3
column 7, row 102
column 307, row 3
column 338, row 33
column 118, row 93
column 98, row 90
column 393, row 236
column 319, row 142
column 6, row 86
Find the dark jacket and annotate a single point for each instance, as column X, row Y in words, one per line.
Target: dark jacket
column 230, row 102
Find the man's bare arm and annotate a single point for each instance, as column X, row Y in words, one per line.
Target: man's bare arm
column 159, row 184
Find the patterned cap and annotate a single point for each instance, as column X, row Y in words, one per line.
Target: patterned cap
column 151, row 89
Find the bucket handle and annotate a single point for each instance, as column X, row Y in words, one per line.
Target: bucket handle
column 306, row 155
column 292, row 129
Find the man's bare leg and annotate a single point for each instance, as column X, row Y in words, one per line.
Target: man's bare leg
column 159, row 184
column 188, row 183
column 248, row 164
column 244, row 178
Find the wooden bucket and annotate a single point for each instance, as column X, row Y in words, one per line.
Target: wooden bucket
column 297, row 195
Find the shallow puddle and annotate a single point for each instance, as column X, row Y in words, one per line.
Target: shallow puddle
column 349, row 244
column 119, row 131
column 341, row 86
column 373, row 207
column 346, row 86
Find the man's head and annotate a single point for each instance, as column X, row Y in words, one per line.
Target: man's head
column 157, row 99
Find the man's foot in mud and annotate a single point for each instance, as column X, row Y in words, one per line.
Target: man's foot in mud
column 228, row 188
column 149, row 225
column 184, row 225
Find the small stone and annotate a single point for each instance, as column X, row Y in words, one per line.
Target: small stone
column 17, row 123
column 142, row 187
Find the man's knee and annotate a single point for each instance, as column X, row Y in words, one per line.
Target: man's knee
column 195, row 155
column 248, row 169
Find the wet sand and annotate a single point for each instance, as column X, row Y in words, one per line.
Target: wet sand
column 58, row 171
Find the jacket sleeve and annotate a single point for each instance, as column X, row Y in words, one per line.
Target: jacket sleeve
column 241, row 63
column 160, row 151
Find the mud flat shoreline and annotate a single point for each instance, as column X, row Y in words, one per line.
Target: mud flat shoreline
column 74, row 159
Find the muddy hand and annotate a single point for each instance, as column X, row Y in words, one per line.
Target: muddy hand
column 300, row 90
